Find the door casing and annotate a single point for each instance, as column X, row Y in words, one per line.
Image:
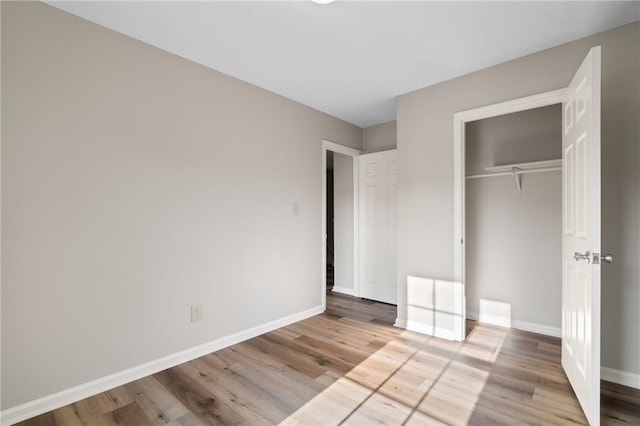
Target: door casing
column 460, row 119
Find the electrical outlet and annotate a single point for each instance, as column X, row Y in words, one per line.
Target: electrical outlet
column 296, row 208
column 196, row 313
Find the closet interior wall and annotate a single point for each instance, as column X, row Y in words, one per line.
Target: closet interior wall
column 513, row 239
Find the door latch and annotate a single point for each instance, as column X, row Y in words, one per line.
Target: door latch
column 604, row 258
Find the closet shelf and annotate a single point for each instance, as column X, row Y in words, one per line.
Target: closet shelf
column 518, row 169
column 527, row 166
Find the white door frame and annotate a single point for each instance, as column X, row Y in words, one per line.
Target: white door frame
column 354, row 153
column 460, row 119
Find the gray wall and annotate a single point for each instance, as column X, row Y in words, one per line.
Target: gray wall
column 135, row 184
column 533, row 135
column 0, row 210
column 343, row 224
column 513, row 239
column 425, row 149
column 381, row 137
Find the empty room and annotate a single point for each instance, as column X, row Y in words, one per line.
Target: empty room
column 319, row 212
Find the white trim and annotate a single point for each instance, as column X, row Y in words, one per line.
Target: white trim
column 460, row 119
column 323, row 232
column 351, row 152
column 620, row 377
column 400, row 323
column 514, row 105
column 51, row 402
column 428, row 329
column 356, row 228
column 343, row 290
column 495, row 320
column 532, row 327
column 530, row 165
column 340, row 149
column 547, row 330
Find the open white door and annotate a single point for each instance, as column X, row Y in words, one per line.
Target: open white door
column 378, row 231
column 581, row 235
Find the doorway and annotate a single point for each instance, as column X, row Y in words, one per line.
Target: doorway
column 330, row 221
column 339, row 219
column 340, row 223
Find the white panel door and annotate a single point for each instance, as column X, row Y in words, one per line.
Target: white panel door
column 378, row 230
column 581, row 235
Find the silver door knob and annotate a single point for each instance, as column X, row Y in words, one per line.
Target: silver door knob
column 579, row 256
column 607, row 258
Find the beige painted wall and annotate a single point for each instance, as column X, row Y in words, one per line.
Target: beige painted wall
column 0, row 210
column 514, row 241
column 343, row 223
column 425, row 149
column 381, row 137
column 533, row 135
column 135, row 184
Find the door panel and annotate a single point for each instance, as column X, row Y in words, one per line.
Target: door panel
column 581, row 235
column 378, row 235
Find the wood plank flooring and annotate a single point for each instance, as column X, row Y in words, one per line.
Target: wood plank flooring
column 351, row 366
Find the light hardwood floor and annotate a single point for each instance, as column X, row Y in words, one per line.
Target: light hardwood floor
column 351, row 366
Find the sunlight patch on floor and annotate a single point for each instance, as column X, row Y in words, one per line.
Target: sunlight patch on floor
column 405, row 383
column 485, row 343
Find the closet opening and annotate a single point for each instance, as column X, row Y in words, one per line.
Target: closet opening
column 513, row 220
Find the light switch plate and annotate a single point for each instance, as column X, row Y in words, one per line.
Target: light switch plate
column 196, row 313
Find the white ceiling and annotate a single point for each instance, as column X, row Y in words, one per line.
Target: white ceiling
column 351, row 59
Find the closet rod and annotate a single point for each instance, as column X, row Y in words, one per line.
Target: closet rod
column 515, row 172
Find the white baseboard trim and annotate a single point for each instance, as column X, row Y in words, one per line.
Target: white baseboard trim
column 343, row 290
column 427, row 329
column 60, row 399
column 620, row 377
column 547, row 330
column 400, row 323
